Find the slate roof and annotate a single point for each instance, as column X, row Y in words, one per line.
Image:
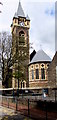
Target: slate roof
column 20, row 12
column 40, row 56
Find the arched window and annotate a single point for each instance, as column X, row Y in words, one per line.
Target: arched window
column 21, row 38
column 42, row 73
column 21, row 84
column 32, row 74
column 37, row 73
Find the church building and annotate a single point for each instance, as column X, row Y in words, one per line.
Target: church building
column 39, row 71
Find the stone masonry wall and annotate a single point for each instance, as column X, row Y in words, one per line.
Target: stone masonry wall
column 52, row 75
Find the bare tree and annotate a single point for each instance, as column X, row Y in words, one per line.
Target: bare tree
column 6, row 56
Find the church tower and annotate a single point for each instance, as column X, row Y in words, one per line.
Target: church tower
column 20, row 48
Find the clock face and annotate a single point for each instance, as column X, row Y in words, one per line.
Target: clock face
column 21, row 23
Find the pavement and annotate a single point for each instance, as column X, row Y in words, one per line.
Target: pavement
column 7, row 114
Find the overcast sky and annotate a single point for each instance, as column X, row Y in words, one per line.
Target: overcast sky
column 42, row 26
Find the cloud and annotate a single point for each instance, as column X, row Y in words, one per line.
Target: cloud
column 50, row 11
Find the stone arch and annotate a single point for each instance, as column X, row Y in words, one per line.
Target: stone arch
column 21, row 38
column 21, row 33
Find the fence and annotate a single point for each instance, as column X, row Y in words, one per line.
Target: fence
column 31, row 107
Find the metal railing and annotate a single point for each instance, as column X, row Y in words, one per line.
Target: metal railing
column 28, row 105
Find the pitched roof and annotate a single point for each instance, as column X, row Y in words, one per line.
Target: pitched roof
column 40, row 56
column 20, row 12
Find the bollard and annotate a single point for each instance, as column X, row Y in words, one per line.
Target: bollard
column 28, row 108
